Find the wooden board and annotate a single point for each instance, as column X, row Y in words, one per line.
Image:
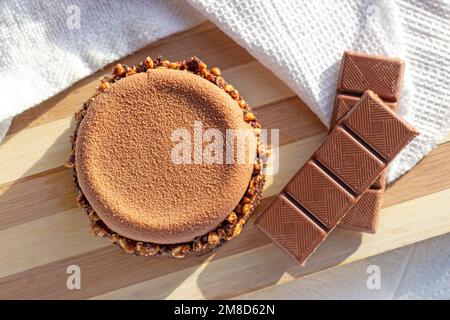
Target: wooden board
column 43, row 232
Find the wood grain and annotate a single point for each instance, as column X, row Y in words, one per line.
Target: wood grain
column 45, row 232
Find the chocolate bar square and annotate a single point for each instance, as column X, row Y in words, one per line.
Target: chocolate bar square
column 378, row 126
column 360, row 217
column 319, row 194
column 344, row 103
column 349, row 160
column 291, row 228
column 361, row 72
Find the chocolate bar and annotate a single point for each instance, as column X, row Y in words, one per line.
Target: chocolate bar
column 335, row 177
column 382, row 75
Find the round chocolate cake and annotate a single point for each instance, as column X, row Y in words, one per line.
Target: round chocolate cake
column 140, row 159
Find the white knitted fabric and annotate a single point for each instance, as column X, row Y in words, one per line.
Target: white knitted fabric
column 302, row 42
column 44, row 49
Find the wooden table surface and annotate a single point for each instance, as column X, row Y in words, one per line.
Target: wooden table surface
column 43, row 232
